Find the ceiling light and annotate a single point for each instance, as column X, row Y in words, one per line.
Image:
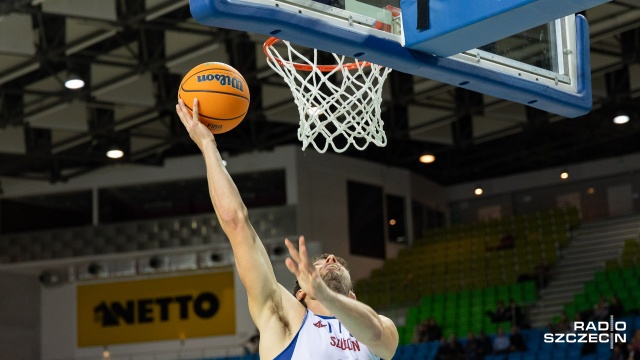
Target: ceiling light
column 564, row 175
column 478, row 191
column 621, row 119
column 74, row 82
column 427, row 158
column 115, row 153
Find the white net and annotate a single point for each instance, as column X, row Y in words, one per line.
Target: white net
column 339, row 105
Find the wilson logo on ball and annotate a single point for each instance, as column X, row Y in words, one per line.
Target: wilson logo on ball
column 222, row 93
column 222, row 79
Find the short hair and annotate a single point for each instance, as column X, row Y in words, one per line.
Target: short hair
column 341, row 261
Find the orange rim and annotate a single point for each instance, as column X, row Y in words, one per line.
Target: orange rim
column 324, row 68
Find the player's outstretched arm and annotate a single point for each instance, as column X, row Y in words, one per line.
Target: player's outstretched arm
column 378, row 332
column 252, row 260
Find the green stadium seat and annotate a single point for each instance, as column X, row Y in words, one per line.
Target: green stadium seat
column 601, row 278
column 570, row 309
column 530, row 292
column 629, row 276
column 590, row 287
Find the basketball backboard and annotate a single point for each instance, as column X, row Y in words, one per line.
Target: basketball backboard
column 535, row 59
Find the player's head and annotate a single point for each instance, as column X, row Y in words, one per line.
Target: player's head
column 334, row 272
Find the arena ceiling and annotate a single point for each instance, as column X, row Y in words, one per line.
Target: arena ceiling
column 133, row 54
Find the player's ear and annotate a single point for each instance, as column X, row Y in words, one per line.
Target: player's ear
column 352, row 295
column 300, row 295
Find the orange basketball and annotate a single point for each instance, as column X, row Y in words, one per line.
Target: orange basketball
column 222, row 93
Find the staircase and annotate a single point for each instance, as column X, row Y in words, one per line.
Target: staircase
column 592, row 244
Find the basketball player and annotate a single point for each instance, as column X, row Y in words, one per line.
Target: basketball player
column 323, row 319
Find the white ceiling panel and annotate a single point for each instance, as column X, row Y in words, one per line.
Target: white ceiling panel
column 143, row 143
column 12, row 140
column 58, row 136
column 21, row 30
column 179, row 48
column 138, row 90
column 97, row 9
column 69, row 116
column 104, row 74
column 438, row 133
column 12, row 67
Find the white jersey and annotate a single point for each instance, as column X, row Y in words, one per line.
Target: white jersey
column 324, row 338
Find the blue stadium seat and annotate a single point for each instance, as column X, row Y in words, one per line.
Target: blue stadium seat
column 516, row 356
column 529, row 355
column 558, row 353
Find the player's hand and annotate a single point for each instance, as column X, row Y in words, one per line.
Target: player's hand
column 307, row 275
column 197, row 131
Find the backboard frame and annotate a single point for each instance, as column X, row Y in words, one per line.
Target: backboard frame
column 306, row 27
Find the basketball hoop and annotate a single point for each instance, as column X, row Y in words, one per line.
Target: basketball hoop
column 346, row 109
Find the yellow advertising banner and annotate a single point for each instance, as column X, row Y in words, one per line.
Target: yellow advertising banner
column 156, row 309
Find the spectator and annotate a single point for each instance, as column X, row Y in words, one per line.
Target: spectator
column 443, row 350
column 429, row 331
column 634, row 346
column 619, row 352
column 600, row 310
column 501, row 344
column 616, row 309
column 472, row 348
column 632, row 354
column 515, row 313
column 500, row 314
column 576, row 317
column 589, row 348
column 455, row 350
column 562, row 326
column 485, row 347
column 516, row 340
column 542, row 273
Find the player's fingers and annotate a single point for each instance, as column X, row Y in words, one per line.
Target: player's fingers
column 302, row 246
column 196, row 110
column 179, row 109
column 292, row 251
column 183, row 113
column 292, row 266
column 179, row 112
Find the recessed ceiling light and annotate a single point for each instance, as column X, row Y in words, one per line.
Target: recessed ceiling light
column 74, row 82
column 621, row 119
column 427, row 158
column 115, row 153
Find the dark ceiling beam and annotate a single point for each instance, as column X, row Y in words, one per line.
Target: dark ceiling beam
column 630, row 46
column 11, row 107
column 396, row 116
column 618, row 84
column 244, row 58
column 9, row 6
column 468, row 103
column 38, row 141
